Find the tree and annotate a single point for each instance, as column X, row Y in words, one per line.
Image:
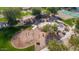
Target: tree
column 45, row 11
column 12, row 14
column 74, row 8
column 53, row 45
column 53, row 10
column 77, row 23
column 36, row 11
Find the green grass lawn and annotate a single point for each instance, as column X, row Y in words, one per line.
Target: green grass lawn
column 3, row 20
column 5, row 37
column 70, row 22
column 3, row 8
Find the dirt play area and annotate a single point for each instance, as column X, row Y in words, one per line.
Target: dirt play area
column 28, row 38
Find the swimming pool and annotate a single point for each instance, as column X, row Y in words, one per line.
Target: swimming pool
column 70, row 13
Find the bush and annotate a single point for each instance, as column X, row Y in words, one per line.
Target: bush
column 49, row 28
column 74, row 41
column 53, row 45
column 53, row 10
column 77, row 24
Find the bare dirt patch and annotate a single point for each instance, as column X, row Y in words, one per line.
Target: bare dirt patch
column 27, row 38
